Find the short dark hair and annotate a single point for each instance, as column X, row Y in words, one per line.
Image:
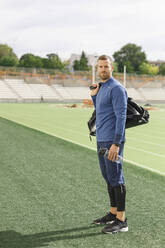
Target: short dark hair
column 105, row 57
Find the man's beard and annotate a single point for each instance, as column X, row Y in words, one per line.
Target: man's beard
column 104, row 75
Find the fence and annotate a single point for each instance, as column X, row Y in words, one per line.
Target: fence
column 76, row 78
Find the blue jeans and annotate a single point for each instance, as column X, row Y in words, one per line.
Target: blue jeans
column 111, row 171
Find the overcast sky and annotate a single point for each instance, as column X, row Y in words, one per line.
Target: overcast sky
column 70, row 26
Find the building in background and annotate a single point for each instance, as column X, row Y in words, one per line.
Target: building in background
column 157, row 62
column 90, row 57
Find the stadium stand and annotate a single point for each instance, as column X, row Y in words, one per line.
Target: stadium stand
column 135, row 94
column 153, row 94
column 21, row 89
column 44, row 92
column 6, row 94
column 74, row 93
column 18, row 90
column 62, row 91
column 78, row 92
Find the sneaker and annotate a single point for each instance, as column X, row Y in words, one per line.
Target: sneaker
column 107, row 219
column 116, row 226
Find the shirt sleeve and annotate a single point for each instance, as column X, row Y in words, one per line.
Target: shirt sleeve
column 119, row 102
column 94, row 100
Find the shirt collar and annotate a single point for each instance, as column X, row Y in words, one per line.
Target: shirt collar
column 109, row 80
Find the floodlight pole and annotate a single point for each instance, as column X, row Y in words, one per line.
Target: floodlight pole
column 93, row 68
column 93, row 74
column 124, row 82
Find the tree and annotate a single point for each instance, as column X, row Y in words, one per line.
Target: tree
column 66, row 64
column 46, row 63
column 53, row 62
column 162, row 69
column 5, row 50
column 115, row 67
column 9, row 61
column 76, row 65
column 30, row 60
column 129, row 67
column 7, row 56
column 146, row 68
column 131, row 55
column 82, row 64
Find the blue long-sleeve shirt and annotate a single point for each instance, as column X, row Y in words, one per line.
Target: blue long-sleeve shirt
column 111, row 111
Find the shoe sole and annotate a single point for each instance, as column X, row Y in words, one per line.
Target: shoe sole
column 109, row 222
column 125, row 229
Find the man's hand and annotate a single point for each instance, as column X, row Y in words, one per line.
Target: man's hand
column 113, row 153
column 94, row 91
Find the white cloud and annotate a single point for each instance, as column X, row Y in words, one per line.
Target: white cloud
column 68, row 26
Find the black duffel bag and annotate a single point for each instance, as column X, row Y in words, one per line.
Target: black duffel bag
column 136, row 115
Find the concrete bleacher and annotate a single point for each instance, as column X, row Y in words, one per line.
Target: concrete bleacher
column 74, row 93
column 44, row 91
column 78, row 92
column 62, row 91
column 6, row 93
column 135, row 94
column 153, row 94
column 21, row 89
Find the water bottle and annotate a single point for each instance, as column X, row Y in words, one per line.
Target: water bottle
column 105, row 152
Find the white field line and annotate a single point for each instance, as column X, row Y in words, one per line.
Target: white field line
column 150, row 136
column 145, row 167
column 158, row 132
column 147, row 142
column 71, row 130
column 91, row 148
column 94, row 149
column 142, row 150
column 72, row 127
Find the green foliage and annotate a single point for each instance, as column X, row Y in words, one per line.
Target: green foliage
column 153, row 70
column 76, row 65
column 5, row 50
column 162, row 69
column 82, row 64
column 7, row 56
column 30, row 60
column 115, row 67
column 130, row 55
column 46, row 63
column 146, row 68
column 9, row 61
column 143, row 68
column 52, row 62
column 129, row 67
column 66, row 65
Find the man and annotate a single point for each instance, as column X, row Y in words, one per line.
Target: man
column 110, row 101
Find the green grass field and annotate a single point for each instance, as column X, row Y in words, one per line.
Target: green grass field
column 145, row 144
column 52, row 189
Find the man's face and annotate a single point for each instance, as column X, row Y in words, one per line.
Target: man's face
column 105, row 69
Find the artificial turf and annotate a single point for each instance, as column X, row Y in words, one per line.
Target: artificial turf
column 51, row 190
column 145, row 144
